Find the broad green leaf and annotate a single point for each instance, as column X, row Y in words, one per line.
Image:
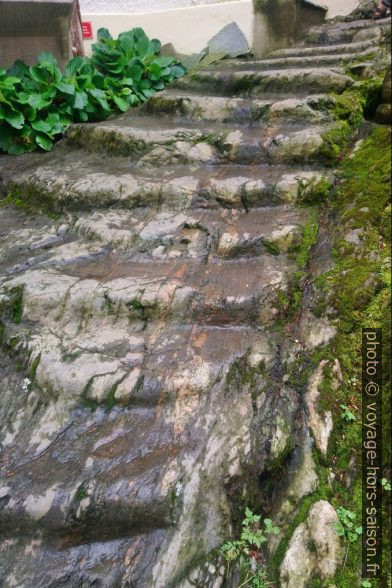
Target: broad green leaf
column 159, row 85
column 178, row 71
column 39, row 75
column 126, row 82
column 100, row 97
column 41, row 126
column 156, row 45
column 19, row 69
column 73, row 66
column 103, row 35
column 135, row 72
column 126, row 44
column 47, row 58
column 145, row 84
column 80, row 100
column 36, row 101
column 66, row 88
column 10, row 81
column 44, row 142
column 164, row 61
column 30, row 113
column 122, row 104
column 53, row 120
column 155, row 71
column 2, row 72
column 142, row 46
column 15, row 119
column 148, row 93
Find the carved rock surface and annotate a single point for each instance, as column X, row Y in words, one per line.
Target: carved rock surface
column 141, row 385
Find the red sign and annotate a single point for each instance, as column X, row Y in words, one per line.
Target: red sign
column 87, row 30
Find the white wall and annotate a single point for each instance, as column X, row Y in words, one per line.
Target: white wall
column 188, row 24
column 337, row 7
column 189, row 29
column 139, row 6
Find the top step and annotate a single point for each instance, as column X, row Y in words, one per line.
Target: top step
column 345, row 32
column 339, row 48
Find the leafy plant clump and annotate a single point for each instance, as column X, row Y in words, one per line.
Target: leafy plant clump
column 38, row 103
column 346, row 526
column 244, row 553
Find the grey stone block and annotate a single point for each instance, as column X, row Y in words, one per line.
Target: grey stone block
column 230, row 40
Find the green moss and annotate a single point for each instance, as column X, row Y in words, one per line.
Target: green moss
column 34, row 366
column 31, row 198
column 308, row 241
column 91, row 405
column 370, row 93
column 101, row 140
column 111, row 401
column 163, row 105
column 80, row 494
column 17, row 304
column 336, row 143
column 358, row 288
column 349, row 107
column 271, row 247
column 314, row 191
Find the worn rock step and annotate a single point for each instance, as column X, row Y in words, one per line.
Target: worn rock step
column 238, row 110
column 345, row 32
column 165, row 142
column 260, row 83
column 170, row 235
column 163, row 235
column 132, row 446
column 122, row 475
column 60, row 559
column 305, row 61
column 324, row 50
column 64, row 178
column 223, row 292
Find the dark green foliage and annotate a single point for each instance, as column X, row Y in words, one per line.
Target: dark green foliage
column 17, row 304
column 38, row 103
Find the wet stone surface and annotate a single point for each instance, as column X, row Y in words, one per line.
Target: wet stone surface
column 141, row 384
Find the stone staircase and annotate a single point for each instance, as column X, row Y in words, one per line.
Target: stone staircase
column 144, row 315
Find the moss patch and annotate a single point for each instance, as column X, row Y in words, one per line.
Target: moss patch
column 358, row 288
